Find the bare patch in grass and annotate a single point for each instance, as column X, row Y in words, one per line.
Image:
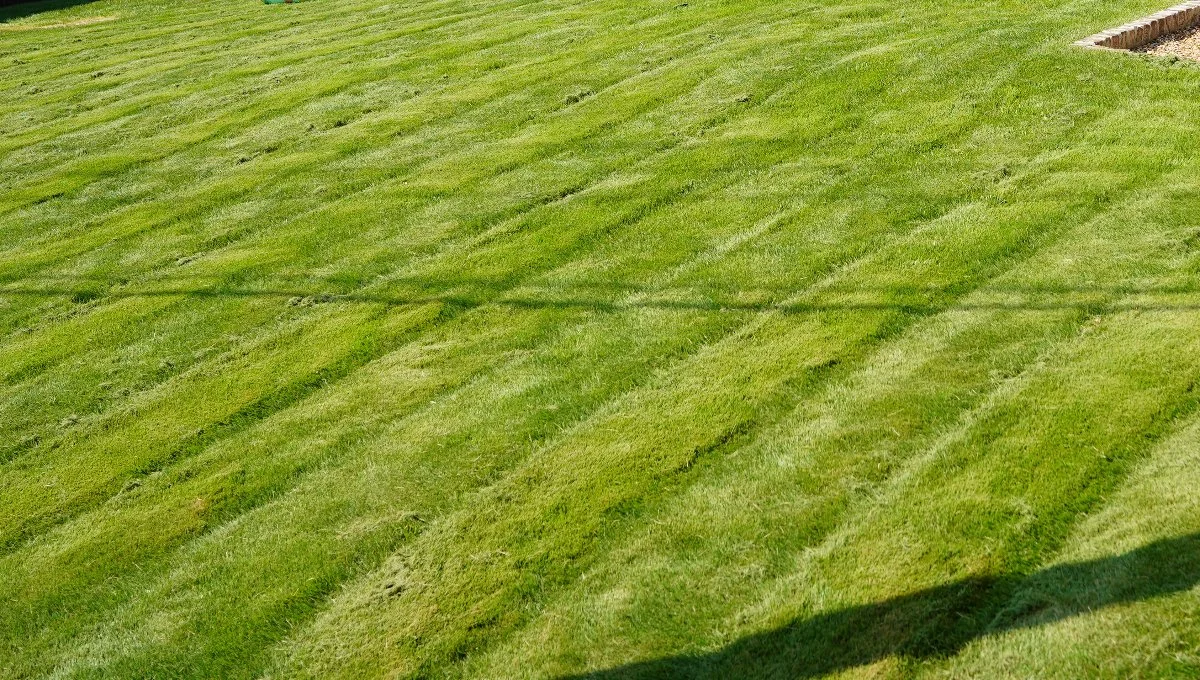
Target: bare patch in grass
column 1183, row 44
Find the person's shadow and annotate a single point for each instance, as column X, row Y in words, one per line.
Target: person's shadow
column 17, row 9
column 939, row 621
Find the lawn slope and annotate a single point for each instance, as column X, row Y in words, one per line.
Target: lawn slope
column 601, row 339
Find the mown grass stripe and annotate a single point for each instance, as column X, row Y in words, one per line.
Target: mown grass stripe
column 310, row 162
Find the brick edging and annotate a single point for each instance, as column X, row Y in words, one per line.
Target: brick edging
column 1146, row 30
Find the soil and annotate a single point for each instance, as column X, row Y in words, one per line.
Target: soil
column 1184, row 44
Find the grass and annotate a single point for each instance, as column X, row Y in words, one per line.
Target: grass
column 597, row 339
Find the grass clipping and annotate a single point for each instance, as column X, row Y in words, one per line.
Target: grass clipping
column 86, row 21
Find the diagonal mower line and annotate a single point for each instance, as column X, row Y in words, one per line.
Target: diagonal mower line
column 497, row 78
column 318, row 161
column 522, row 211
column 126, row 106
column 249, row 110
column 154, row 58
column 667, row 277
column 413, row 415
column 121, row 35
column 270, row 405
column 306, row 476
column 272, row 498
column 378, row 72
column 890, row 490
column 465, row 302
column 958, row 294
column 191, row 18
column 1185, row 414
column 731, row 336
column 203, row 18
column 469, row 302
column 818, row 72
column 376, row 186
column 408, row 30
column 263, row 408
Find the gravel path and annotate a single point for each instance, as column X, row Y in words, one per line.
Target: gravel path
column 1184, row 44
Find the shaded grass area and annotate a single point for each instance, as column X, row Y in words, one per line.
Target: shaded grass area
column 16, row 9
column 940, row 621
column 556, row 339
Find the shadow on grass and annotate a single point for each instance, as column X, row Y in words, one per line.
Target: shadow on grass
column 937, row 622
column 615, row 297
column 19, row 9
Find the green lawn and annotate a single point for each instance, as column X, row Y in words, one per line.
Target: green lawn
column 597, row 339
